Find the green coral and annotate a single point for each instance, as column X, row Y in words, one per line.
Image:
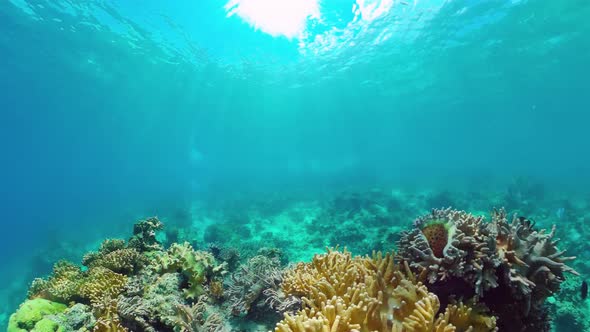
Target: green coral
column 30, row 316
column 47, row 325
column 197, row 266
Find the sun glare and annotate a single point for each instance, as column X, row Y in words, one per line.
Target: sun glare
column 286, row 18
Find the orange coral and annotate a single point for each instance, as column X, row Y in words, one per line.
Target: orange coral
column 437, row 235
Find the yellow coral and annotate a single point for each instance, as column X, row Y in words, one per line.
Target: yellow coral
column 345, row 293
column 341, row 293
column 469, row 317
column 120, row 261
column 102, row 287
column 62, row 286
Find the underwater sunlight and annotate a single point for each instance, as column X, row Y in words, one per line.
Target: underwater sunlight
column 287, row 18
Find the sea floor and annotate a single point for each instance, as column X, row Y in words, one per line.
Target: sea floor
column 295, row 229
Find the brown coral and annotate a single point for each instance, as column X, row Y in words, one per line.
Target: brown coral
column 102, row 287
column 534, row 266
column 62, row 286
column 467, row 254
column 144, row 235
column 437, row 236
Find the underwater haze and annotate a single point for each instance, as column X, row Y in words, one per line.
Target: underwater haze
column 116, row 110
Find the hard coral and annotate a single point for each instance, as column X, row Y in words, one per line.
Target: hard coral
column 114, row 255
column 509, row 266
column 102, row 288
column 63, row 285
column 467, row 251
column 533, row 265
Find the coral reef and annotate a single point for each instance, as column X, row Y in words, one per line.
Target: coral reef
column 463, row 255
column 453, row 271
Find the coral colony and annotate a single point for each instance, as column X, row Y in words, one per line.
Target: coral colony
column 452, row 271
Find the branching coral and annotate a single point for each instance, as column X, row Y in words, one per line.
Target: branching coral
column 62, row 286
column 115, row 256
column 533, row 265
column 102, row 288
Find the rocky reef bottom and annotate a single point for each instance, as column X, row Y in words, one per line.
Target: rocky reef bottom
column 356, row 263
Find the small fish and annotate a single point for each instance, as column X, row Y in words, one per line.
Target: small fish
column 584, row 290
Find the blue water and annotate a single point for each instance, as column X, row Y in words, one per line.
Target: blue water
column 117, row 109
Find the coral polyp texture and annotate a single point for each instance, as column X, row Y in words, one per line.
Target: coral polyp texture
column 508, row 265
column 452, row 271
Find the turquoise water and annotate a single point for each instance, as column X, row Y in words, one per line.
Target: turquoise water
column 116, row 110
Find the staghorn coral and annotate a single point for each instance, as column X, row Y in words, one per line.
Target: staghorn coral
column 144, row 235
column 199, row 267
